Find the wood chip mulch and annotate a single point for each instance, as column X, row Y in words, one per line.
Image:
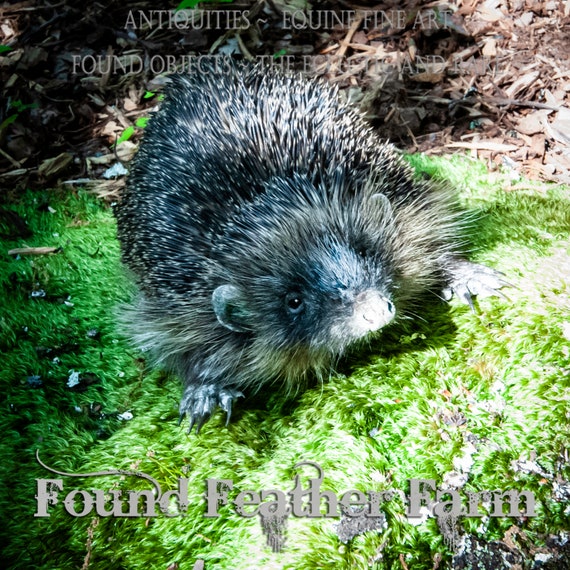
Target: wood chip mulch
column 491, row 78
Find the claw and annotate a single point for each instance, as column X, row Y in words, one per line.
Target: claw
column 468, row 280
column 198, row 422
column 198, row 403
column 226, row 398
column 190, row 425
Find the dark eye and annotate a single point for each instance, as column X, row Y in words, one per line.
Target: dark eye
column 362, row 250
column 294, row 302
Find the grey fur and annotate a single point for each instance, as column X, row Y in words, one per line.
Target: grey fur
column 268, row 229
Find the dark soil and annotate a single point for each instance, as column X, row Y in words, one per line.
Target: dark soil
column 491, row 78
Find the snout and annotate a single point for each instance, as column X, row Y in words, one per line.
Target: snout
column 372, row 311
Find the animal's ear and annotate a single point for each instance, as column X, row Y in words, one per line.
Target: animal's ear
column 230, row 308
column 381, row 202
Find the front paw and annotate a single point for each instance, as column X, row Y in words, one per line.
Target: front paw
column 467, row 280
column 198, row 403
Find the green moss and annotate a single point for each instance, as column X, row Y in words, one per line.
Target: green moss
column 406, row 406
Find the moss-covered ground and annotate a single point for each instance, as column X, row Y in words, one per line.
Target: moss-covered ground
column 478, row 400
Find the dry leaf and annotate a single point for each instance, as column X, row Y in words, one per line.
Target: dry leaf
column 427, row 77
column 485, row 145
column 521, row 84
column 490, row 14
column 533, row 123
column 52, row 166
column 537, row 147
column 33, row 250
column 560, row 127
column 490, row 48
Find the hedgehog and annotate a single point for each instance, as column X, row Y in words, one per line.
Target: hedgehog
column 269, row 228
